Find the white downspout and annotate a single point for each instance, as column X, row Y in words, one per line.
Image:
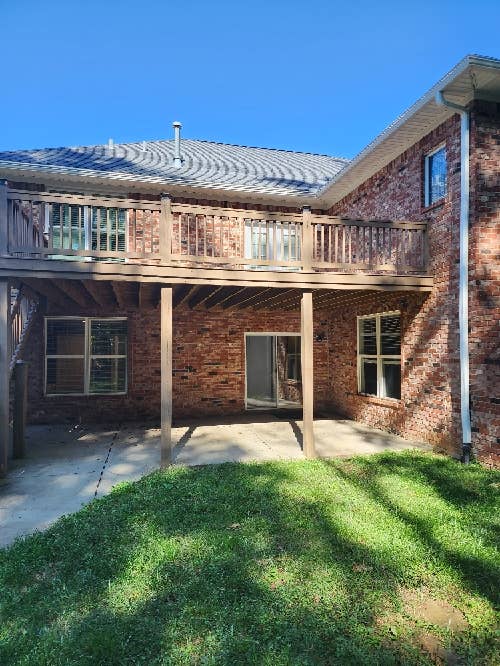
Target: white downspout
column 463, row 288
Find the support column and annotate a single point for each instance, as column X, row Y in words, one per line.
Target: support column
column 306, row 332
column 166, row 377
column 20, row 405
column 4, row 373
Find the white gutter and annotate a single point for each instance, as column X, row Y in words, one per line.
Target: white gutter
column 463, row 285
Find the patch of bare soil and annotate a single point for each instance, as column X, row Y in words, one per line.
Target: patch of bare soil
column 421, row 606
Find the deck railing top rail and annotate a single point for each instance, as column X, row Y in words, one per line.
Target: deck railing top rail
column 56, row 225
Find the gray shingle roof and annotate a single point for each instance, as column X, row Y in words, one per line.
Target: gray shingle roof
column 205, row 165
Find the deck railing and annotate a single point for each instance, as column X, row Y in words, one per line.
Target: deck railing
column 73, row 227
column 24, row 304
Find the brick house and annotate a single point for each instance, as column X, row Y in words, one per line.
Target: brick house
column 141, row 281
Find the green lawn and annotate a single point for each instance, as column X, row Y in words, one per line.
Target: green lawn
column 390, row 559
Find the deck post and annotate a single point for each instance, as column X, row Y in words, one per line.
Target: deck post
column 307, row 239
column 20, row 405
column 166, row 377
column 165, row 231
column 4, row 227
column 306, row 332
column 4, row 373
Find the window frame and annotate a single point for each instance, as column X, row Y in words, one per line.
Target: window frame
column 379, row 358
column 427, row 174
column 87, row 356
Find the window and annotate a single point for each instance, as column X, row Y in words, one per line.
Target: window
column 379, row 355
column 272, row 241
column 84, row 355
column 435, row 176
column 293, row 355
column 94, row 228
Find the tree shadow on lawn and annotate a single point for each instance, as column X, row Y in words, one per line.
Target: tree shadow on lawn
column 279, row 563
column 462, row 501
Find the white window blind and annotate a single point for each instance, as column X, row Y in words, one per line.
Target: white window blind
column 379, row 355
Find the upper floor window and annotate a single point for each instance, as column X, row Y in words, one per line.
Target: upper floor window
column 435, row 176
column 379, row 355
column 95, row 228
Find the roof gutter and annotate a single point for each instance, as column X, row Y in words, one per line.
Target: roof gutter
column 463, row 284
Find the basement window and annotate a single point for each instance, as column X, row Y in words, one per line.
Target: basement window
column 435, row 176
column 85, row 356
column 379, row 355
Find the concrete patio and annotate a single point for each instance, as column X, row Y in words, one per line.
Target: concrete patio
column 66, row 467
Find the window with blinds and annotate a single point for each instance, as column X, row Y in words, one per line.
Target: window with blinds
column 96, row 228
column 84, row 355
column 379, row 355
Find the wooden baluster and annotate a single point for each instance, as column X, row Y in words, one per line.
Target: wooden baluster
column 4, row 219
column 307, row 239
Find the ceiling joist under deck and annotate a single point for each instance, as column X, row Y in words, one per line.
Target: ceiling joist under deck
column 202, row 295
column 76, row 291
column 182, row 292
column 221, row 296
column 49, row 290
column 102, row 292
column 149, row 295
column 126, row 294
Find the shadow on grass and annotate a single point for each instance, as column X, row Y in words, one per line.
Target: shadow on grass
column 279, row 563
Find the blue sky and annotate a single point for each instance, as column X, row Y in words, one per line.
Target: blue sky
column 316, row 76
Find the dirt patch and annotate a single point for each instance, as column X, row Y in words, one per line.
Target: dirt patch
column 421, row 606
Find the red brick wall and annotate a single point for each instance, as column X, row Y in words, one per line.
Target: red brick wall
column 430, row 403
column 208, row 361
column 484, row 280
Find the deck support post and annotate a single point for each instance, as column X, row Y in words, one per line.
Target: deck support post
column 20, row 405
column 306, row 332
column 4, row 373
column 165, row 231
column 166, row 377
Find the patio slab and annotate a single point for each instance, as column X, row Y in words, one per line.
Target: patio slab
column 66, row 467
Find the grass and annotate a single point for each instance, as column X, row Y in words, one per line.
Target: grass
column 389, row 559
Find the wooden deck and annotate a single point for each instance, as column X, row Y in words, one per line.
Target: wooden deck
column 58, row 235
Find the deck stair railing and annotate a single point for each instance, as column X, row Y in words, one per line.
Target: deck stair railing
column 24, row 304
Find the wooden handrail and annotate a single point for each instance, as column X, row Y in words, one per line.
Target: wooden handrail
column 101, row 228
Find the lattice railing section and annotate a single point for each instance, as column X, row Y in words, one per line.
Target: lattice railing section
column 24, row 305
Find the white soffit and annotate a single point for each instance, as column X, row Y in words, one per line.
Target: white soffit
column 473, row 77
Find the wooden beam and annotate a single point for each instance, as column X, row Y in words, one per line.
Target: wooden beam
column 271, row 300
column 166, row 377
column 201, row 296
column 219, row 297
column 76, row 291
column 182, row 292
column 253, row 299
column 4, row 373
column 149, row 295
column 170, row 274
column 165, row 231
column 20, row 406
column 307, row 341
column 101, row 292
column 51, row 292
column 126, row 294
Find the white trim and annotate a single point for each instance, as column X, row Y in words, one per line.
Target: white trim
column 87, row 356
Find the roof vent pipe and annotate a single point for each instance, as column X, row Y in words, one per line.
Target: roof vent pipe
column 111, row 146
column 177, row 143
